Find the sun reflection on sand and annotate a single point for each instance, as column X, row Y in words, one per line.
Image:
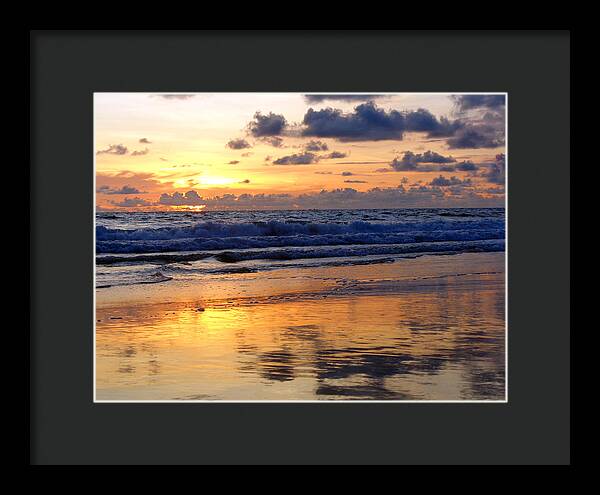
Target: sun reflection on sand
column 442, row 342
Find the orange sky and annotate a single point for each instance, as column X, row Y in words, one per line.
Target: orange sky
column 148, row 145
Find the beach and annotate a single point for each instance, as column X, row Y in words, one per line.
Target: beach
column 421, row 327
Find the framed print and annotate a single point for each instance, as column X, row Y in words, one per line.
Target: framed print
column 356, row 243
column 339, row 247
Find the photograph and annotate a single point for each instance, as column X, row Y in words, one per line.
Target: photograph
column 300, row 247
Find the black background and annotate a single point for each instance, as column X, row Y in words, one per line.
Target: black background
column 67, row 67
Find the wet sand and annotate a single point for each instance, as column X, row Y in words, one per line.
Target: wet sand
column 429, row 328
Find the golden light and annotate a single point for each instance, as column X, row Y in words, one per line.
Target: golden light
column 214, row 180
column 189, row 207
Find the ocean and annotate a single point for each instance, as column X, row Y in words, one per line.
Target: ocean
column 398, row 304
column 157, row 247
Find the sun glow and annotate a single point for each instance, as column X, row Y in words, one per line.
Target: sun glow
column 215, row 180
column 189, row 207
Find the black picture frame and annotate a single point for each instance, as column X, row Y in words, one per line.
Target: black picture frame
column 67, row 67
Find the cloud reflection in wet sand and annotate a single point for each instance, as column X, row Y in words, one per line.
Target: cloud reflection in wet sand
column 445, row 342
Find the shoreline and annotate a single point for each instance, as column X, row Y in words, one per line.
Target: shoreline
column 429, row 328
column 402, row 274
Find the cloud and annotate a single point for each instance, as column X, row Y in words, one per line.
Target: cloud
column 313, row 145
column 247, row 154
column 338, row 97
column 355, row 181
column 401, row 165
column 267, row 125
column 190, row 198
column 452, row 181
column 445, row 128
column 346, row 174
column 431, row 157
column 245, row 181
column 140, row 152
column 238, row 144
column 476, row 137
column 466, row 166
column 137, row 181
column 484, row 119
column 233, row 162
column 335, row 154
column 420, row 120
column 297, row 159
column 274, row 141
column 410, row 160
column 174, row 97
column 467, row 102
column 163, row 159
column 114, row 149
column 392, row 197
column 145, row 141
column 369, row 123
column 496, row 172
column 123, row 190
column 132, row 202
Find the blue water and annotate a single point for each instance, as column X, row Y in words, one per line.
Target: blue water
column 149, row 247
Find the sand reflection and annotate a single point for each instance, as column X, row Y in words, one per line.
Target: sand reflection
column 442, row 342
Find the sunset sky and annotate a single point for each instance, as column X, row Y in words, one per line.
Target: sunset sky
column 289, row 150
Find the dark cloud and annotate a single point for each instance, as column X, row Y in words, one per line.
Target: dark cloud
column 467, row 102
column 410, row 160
column 445, row 128
column 140, row 152
column 484, row 118
column 334, row 155
column 145, row 141
column 432, row 157
column 245, row 181
column 466, row 166
column 369, row 123
column 267, row 125
column 333, row 97
column 496, row 172
column 355, row 181
column 238, row 144
column 132, row 202
column 452, row 181
column 114, row 149
column 233, row 162
column 401, row 165
column 476, row 137
column 297, row 159
column 347, row 174
column 123, row 190
column 313, row 145
column 274, row 141
column 324, row 173
column 420, row 120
